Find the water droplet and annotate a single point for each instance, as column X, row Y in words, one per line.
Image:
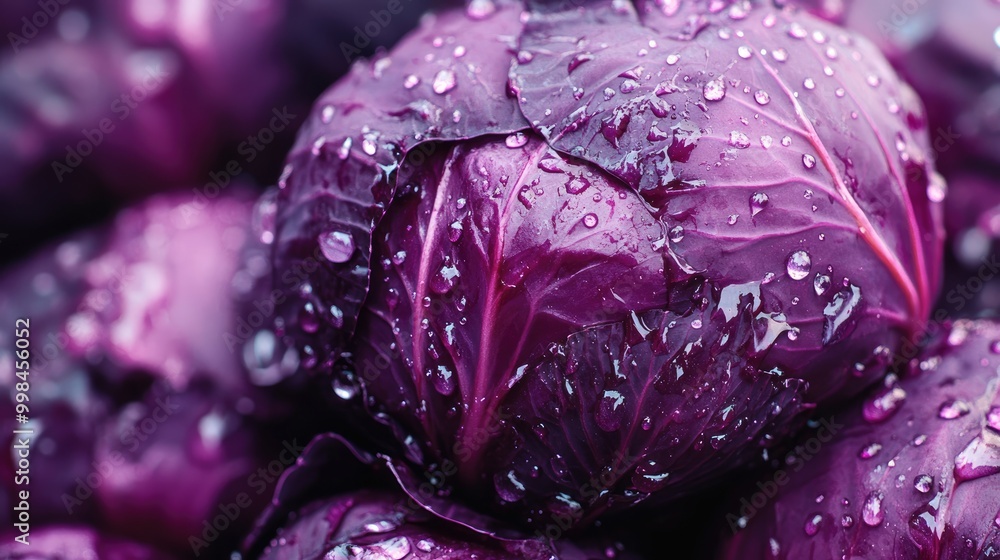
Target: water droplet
column 577, row 184
column 732, row 219
column 308, row 320
column 508, row 487
column 577, row 60
column 326, row 116
column 952, row 409
column 744, row 52
column 455, row 231
column 923, row 483
column 761, row 97
column 628, row 86
column 978, row 459
column 590, row 220
column 715, row 90
column 813, row 523
column 336, row 246
column 870, row 450
column 411, row 82
column 739, row 140
column 524, row 57
column 611, row 411
column 758, row 202
column 766, row 141
column 798, row 265
column 872, row 513
column 368, row 146
column 672, row 59
column 779, row 54
column 443, row 379
column 821, row 283
column 399, row 257
column 445, row 279
column 336, row 317
column 444, row 82
column 846, row 521
column 345, row 149
column 480, row 9
column 873, row 80
column 516, row 140
column 808, row 83
column 796, row 31
column 995, row 347
column 677, row 234
column 786, row 141
column 840, row 313
column 808, row 161
column 885, row 402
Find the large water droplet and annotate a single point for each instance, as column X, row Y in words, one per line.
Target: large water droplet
column 677, row 234
column 744, row 52
column 821, row 283
column 444, row 82
column 808, row 161
column 336, row 246
column 739, row 140
column 480, row 9
column 577, row 60
column 761, row 97
column 715, row 90
column 590, row 220
column 508, row 486
column 345, row 148
column 841, row 314
column 978, row 459
column 813, row 523
column 516, row 140
column 443, row 379
column 870, row 450
column 923, row 483
column 758, row 202
column 445, row 279
column 873, row 513
column 885, row 402
column 952, row 409
column 798, row 265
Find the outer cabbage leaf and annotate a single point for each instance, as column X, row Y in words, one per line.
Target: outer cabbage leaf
column 381, row 520
column 912, row 473
column 341, row 174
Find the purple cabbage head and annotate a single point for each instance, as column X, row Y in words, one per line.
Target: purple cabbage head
column 912, row 472
column 144, row 420
column 580, row 259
